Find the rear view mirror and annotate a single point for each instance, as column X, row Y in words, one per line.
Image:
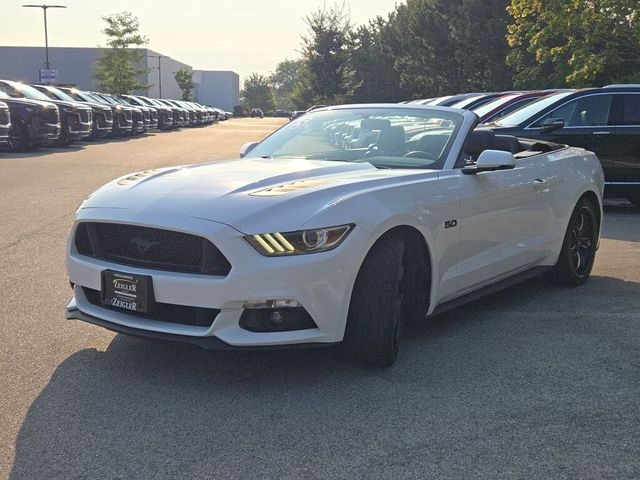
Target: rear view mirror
column 551, row 124
column 491, row 160
column 246, row 148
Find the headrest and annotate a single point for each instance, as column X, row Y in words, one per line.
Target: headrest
column 391, row 140
column 479, row 141
column 374, row 124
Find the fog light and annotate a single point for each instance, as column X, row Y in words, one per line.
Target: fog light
column 275, row 316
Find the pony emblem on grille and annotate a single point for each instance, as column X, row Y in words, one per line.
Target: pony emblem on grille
column 142, row 244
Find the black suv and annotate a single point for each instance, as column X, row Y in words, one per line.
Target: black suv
column 34, row 123
column 102, row 115
column 122, row 123
column 603, row 120
column 76, row 119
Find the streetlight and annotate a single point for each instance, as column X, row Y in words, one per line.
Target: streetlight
column 159, row 72
column 46, row 37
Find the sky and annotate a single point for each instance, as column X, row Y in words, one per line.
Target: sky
column 241, row 35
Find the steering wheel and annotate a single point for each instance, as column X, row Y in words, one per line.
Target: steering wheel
column 420, row 154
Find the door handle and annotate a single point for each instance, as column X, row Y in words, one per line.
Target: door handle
column 604, row 132
column 539, row 183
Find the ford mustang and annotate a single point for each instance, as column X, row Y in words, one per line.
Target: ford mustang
column 340, row 227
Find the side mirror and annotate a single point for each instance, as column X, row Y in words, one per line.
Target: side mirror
column 491, row 160
column 551, row 124
column 246, row 148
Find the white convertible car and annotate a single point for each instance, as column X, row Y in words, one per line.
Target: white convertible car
column 339, row 227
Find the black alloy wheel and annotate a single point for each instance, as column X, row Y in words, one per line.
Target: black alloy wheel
column 18, row 140
column 579, row 248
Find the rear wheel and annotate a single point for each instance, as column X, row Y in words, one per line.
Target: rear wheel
column 373, row 325
column 579, row 248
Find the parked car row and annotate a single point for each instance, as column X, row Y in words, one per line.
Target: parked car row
column 33, row 116
column 603, row 120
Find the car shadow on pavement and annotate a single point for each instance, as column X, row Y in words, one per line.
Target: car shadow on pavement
column 43, row 152
column 536, row 380
column 628, row 231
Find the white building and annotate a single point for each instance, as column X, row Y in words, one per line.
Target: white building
column 75, row 66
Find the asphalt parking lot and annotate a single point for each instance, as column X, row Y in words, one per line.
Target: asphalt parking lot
column 533, row 382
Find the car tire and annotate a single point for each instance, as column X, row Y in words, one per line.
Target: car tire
column 579, row 247
column 19, row 140
column 373, row 323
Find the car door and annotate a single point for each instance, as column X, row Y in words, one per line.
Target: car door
column 502, row 221
column 625, row 116
column 587, row 126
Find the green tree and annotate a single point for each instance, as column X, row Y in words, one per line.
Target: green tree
column 325, row 53
column 283, row 81
column 371, row 75
column 449, row 46
column 258, row 93
column 184, row 79
column 118, row 70
column 575, row 43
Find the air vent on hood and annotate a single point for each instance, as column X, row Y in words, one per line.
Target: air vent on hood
column 291, row 187
column 137, row 176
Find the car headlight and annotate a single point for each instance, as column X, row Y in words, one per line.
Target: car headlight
column 315, row 240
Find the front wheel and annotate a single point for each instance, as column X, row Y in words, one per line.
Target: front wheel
column 18, row 140
column 579, row 247
column 373, row 324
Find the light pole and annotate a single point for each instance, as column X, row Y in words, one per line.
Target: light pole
column 46, row 36
column 159, row 72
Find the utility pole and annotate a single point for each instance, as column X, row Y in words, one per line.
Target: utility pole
column 159, row 72
column 46, row 35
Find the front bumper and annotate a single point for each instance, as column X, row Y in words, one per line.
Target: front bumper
column 320, row 282
column 80, row 126
column 44, row 134
column 207, row 343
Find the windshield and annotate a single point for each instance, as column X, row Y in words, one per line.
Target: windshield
column 525, row 113
column 95, row 98
column 105, row 99
column 135, row 101
column 383, row 137
column 28, row 91
column 78, row 95
column 487, row 107
column 467, row 101
column 59, row 94
column 152, row 101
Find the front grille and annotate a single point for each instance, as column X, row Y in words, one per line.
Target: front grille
column 108, row 116
column 162, row 312
column 152, row 248
column 145, row 115
column 50, row 115
column 4, row 116
column 127, row 115
column 85, row 116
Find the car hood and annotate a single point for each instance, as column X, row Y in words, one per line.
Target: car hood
column 248, row 194
column 73, row 105
column 28, row 102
